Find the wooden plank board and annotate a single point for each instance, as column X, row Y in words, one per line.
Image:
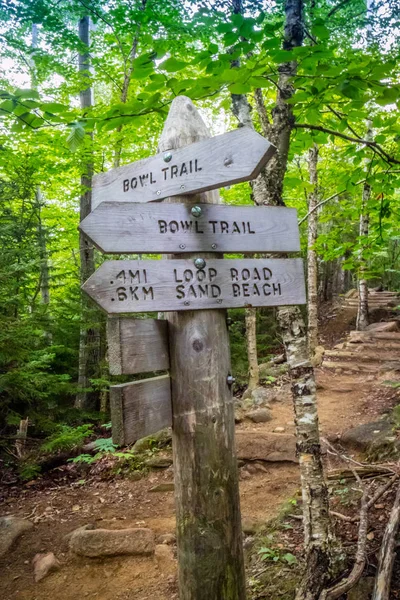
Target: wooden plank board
column 124, row 227
column 137, row 345
column 233, row 157
column 129, row 286
column 140, row 408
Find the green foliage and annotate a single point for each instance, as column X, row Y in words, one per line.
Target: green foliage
column 67, row 438
column 28, row 471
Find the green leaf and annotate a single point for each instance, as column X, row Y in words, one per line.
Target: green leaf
column 173, row 64
column 289, row 558
column 75, row 137
column 349, row 90
column 54, row 107
column 22, row 93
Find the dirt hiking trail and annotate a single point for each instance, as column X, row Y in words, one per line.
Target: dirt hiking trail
column 350, row 392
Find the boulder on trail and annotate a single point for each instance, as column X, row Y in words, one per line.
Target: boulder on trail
column 43, row 564
column 386, row 326
column 112, row 542
column 364, row 437
column 260, row 415
column 270, row 447
column 161, row 438
column 11, row 528
column 258, row 397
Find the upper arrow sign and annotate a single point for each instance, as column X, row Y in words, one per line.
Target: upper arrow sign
column 222, row 160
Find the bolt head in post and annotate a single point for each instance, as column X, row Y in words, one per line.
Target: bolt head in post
column 199, row 263
column 196, row 211
column 167, row 156
column 230, row 380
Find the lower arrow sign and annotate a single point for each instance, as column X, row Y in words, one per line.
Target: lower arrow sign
column 130, row 286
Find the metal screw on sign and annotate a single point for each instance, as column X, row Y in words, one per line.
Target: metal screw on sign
column 230, row 380
column 182, row 246
column 213, row 246
column 196, row 211
column 167, row 156
column 199, row 263
column 228, row 162
column 158, row 192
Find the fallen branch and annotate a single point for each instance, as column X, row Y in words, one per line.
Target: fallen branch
column 387, row 553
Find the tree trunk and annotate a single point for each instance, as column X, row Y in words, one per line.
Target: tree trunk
column 312, row 266
column 89, row 342
column 209, row 536
column 317, row 530
column 387, row 553
column 44, row 259
column 362, row 315
column 251, row 338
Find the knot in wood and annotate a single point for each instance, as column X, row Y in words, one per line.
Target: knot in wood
column 198, row 345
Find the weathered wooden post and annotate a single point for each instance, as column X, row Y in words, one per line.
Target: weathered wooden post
column 209, row 531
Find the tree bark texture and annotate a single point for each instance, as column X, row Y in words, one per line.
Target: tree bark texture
column 387, row 553
column 251, row 339
column 89, row 341
column 312, row 265
column 209, row 536
column 363, row 312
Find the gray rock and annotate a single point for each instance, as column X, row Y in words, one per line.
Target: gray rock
column 260, row 415
column 260, row 396
column 159, row 462
column 11, row 528
column 364, row 437
column 161, row 438
column 112, row 542
column 168, row 486
column 362, row 590
column 265, row 446
column 43, row 564
column 88, row 527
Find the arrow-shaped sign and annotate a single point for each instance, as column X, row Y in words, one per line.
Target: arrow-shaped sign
column 126, row 227
column 212, row 163
column 129, row 286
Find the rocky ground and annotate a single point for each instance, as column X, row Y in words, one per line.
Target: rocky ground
column 42, row 515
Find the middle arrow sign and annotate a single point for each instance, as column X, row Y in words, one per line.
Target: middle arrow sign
column 125, row 227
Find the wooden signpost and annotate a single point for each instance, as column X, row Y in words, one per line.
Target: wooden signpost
column 139, row 409
column 130, row 286
column 137, row 345
column 125, row 227
column 193, row 342
column 208, row 164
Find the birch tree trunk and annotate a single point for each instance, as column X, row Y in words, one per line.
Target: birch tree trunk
column 268, row 189
column 363, row 311
column 89, row 341
column 312, row 266
column 251, row 338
